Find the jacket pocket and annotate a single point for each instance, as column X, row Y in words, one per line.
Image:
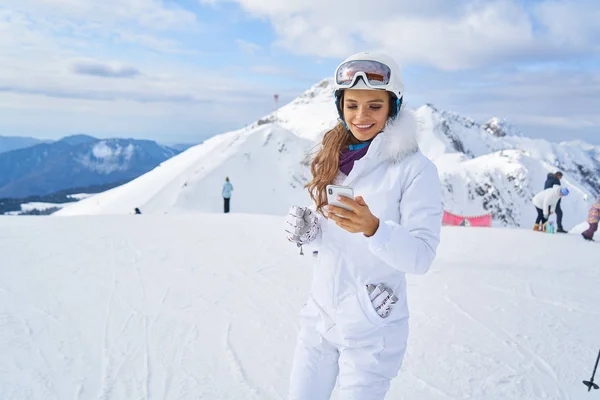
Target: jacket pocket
column 368, row 309
column 356, row 318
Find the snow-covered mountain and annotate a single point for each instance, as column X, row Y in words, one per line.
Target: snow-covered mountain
column 488, row 167
column 264, row 164
column 498, row 170
column 76, row 161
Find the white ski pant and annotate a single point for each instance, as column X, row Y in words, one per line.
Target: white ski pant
column 363, row 367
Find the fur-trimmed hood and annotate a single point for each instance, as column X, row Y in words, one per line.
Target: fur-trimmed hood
column 399, row 138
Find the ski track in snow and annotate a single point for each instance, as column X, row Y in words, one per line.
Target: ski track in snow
column 41, row 376
column 470, row 317
column 147, row 362
column 236, row 366
column 291, row 314
column 532, row 295
column 503, row 337
column 107, row 384
column 46, row 314
column 178, row 358
column 578, row 308
column 430, row 386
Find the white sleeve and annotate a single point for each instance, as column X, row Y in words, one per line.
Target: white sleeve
column 411, row 246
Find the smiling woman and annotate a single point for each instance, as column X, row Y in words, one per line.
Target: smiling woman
column 365, row 112
column 354, row 327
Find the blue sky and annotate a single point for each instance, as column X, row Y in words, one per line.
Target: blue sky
column 181, row 71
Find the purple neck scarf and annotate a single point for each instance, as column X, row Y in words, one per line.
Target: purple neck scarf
column 347, row 158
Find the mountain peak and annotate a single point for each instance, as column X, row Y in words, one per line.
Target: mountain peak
column 432, row 107
column 500, row 128
column 325, row 87
column 8, row 143
column 450, row 116
column 78, row 139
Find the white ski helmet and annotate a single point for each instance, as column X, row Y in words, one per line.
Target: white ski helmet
column 369, row 71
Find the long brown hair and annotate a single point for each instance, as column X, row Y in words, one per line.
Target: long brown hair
column 324, row 167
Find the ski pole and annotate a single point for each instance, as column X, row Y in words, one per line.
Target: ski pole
column 590, row 384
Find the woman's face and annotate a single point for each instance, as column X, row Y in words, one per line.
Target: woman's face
column 366, row 112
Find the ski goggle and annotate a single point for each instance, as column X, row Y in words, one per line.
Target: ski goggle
column 374, row 73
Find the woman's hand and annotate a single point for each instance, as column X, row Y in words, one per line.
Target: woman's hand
column 359, row 219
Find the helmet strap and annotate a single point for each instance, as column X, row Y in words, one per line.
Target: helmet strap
column 398, row 105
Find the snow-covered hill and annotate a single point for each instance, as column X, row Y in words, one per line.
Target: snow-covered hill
column 206, row 307
column 264, row 164
column 490, row 170
column 487, row 167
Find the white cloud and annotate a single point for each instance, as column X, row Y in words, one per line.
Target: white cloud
column 149, row 14
column 50, row 68
column 151, row 42
column 485, row 33
column 571, row 23
column 75, row 24
column 448, row 35
column 52, row 55
column 19, row 35
column 269, row 70
column 563, row 122
column 248, row 47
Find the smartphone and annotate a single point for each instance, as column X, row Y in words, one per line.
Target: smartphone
column 333, row 191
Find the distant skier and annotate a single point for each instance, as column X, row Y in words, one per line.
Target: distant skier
column 593, row 219
column 551, row 180
column 227, row 189
column 137, row 211
column 545, row 204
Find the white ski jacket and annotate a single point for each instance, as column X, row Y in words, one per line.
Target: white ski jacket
column 402, row 188
column 547, row 199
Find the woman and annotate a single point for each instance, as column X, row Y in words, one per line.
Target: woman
column 354, row 326
column 545, row 203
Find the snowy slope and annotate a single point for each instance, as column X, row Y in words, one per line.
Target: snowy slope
column 310, row 115
column 485, row 171
column 206, row 307
column 484, row 168
column 264, row 164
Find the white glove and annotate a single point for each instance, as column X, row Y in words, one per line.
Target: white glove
column 301, row 225
column 382, row 298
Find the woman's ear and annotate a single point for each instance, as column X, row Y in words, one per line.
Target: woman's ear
column 340, row 104
column 394, row 105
